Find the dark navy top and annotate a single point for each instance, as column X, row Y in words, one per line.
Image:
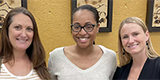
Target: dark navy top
column 150, row 70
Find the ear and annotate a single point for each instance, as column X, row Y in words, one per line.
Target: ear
column 98, row 25
column 147, row 35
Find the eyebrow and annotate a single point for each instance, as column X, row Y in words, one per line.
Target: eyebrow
column 87, row 22
column 17, row 24
column 79, row 23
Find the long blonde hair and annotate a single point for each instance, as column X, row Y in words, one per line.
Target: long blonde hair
column 126, row 58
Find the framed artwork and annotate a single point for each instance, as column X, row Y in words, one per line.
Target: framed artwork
column 7, row 5
column 153, row 15
column 104, row 8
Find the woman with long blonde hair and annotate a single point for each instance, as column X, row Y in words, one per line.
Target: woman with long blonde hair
column 137, row 58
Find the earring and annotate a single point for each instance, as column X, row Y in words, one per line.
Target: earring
column 97, row 32
column 123, row 51
column 147, row 45
column 93, row 42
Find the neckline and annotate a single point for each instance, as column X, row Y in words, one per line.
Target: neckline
column 141, row 70
column 88, row 69
column 21, row 77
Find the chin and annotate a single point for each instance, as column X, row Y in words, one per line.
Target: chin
column 135, row 52
column 82, row 46
column 22, row 48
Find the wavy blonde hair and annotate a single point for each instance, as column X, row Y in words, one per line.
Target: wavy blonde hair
column 126, row 58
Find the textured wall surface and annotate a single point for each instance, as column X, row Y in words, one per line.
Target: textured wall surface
column 54, row 17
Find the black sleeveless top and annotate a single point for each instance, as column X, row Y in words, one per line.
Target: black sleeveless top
column 150, row 70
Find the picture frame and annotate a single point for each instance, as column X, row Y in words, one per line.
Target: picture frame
column 7, row 5
column 153, row 15
column 105, row 11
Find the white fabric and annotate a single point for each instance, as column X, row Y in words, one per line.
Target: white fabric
column 6, row 75
column 61, row 68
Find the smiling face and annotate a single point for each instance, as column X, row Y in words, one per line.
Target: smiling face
column 133, row 38
column 83, row 38
column 21, row 32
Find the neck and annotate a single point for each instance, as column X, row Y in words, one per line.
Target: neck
column 19, row 55
column 85, row 51
column 139, row 59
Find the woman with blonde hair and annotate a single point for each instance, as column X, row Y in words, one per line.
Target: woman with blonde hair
column 137, row 58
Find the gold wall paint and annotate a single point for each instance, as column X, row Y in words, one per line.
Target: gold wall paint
column 54, row 17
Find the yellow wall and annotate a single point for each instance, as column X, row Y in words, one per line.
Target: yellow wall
column 54, row 17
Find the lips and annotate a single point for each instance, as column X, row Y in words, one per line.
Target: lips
column 83, row 39
column 133, row 46
column 22, row 40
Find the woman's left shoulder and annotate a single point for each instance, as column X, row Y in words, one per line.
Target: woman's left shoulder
column 156, row 61
column 157, row 64
column 107, row 51
column 158, row 58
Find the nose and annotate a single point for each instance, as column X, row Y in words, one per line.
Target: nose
column 23, row 33
column 82, row 32
column 131, row 39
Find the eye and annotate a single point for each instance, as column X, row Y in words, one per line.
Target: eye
column 76, row 26
column 124, row 37
column 88, row 26
column 29, row 29
column 17, row 27
column 135, row 34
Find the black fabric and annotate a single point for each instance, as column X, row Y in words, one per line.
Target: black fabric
column 0, row 64
column 150, row 70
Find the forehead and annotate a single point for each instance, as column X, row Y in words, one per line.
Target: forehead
column 83, row 16
column 21, row 19
column 131, row 27
column 19, row 15
column 83, row 12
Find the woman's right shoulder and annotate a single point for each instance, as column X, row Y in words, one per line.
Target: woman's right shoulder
column 61, row 50
column 56, row 50
column 117, row 74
